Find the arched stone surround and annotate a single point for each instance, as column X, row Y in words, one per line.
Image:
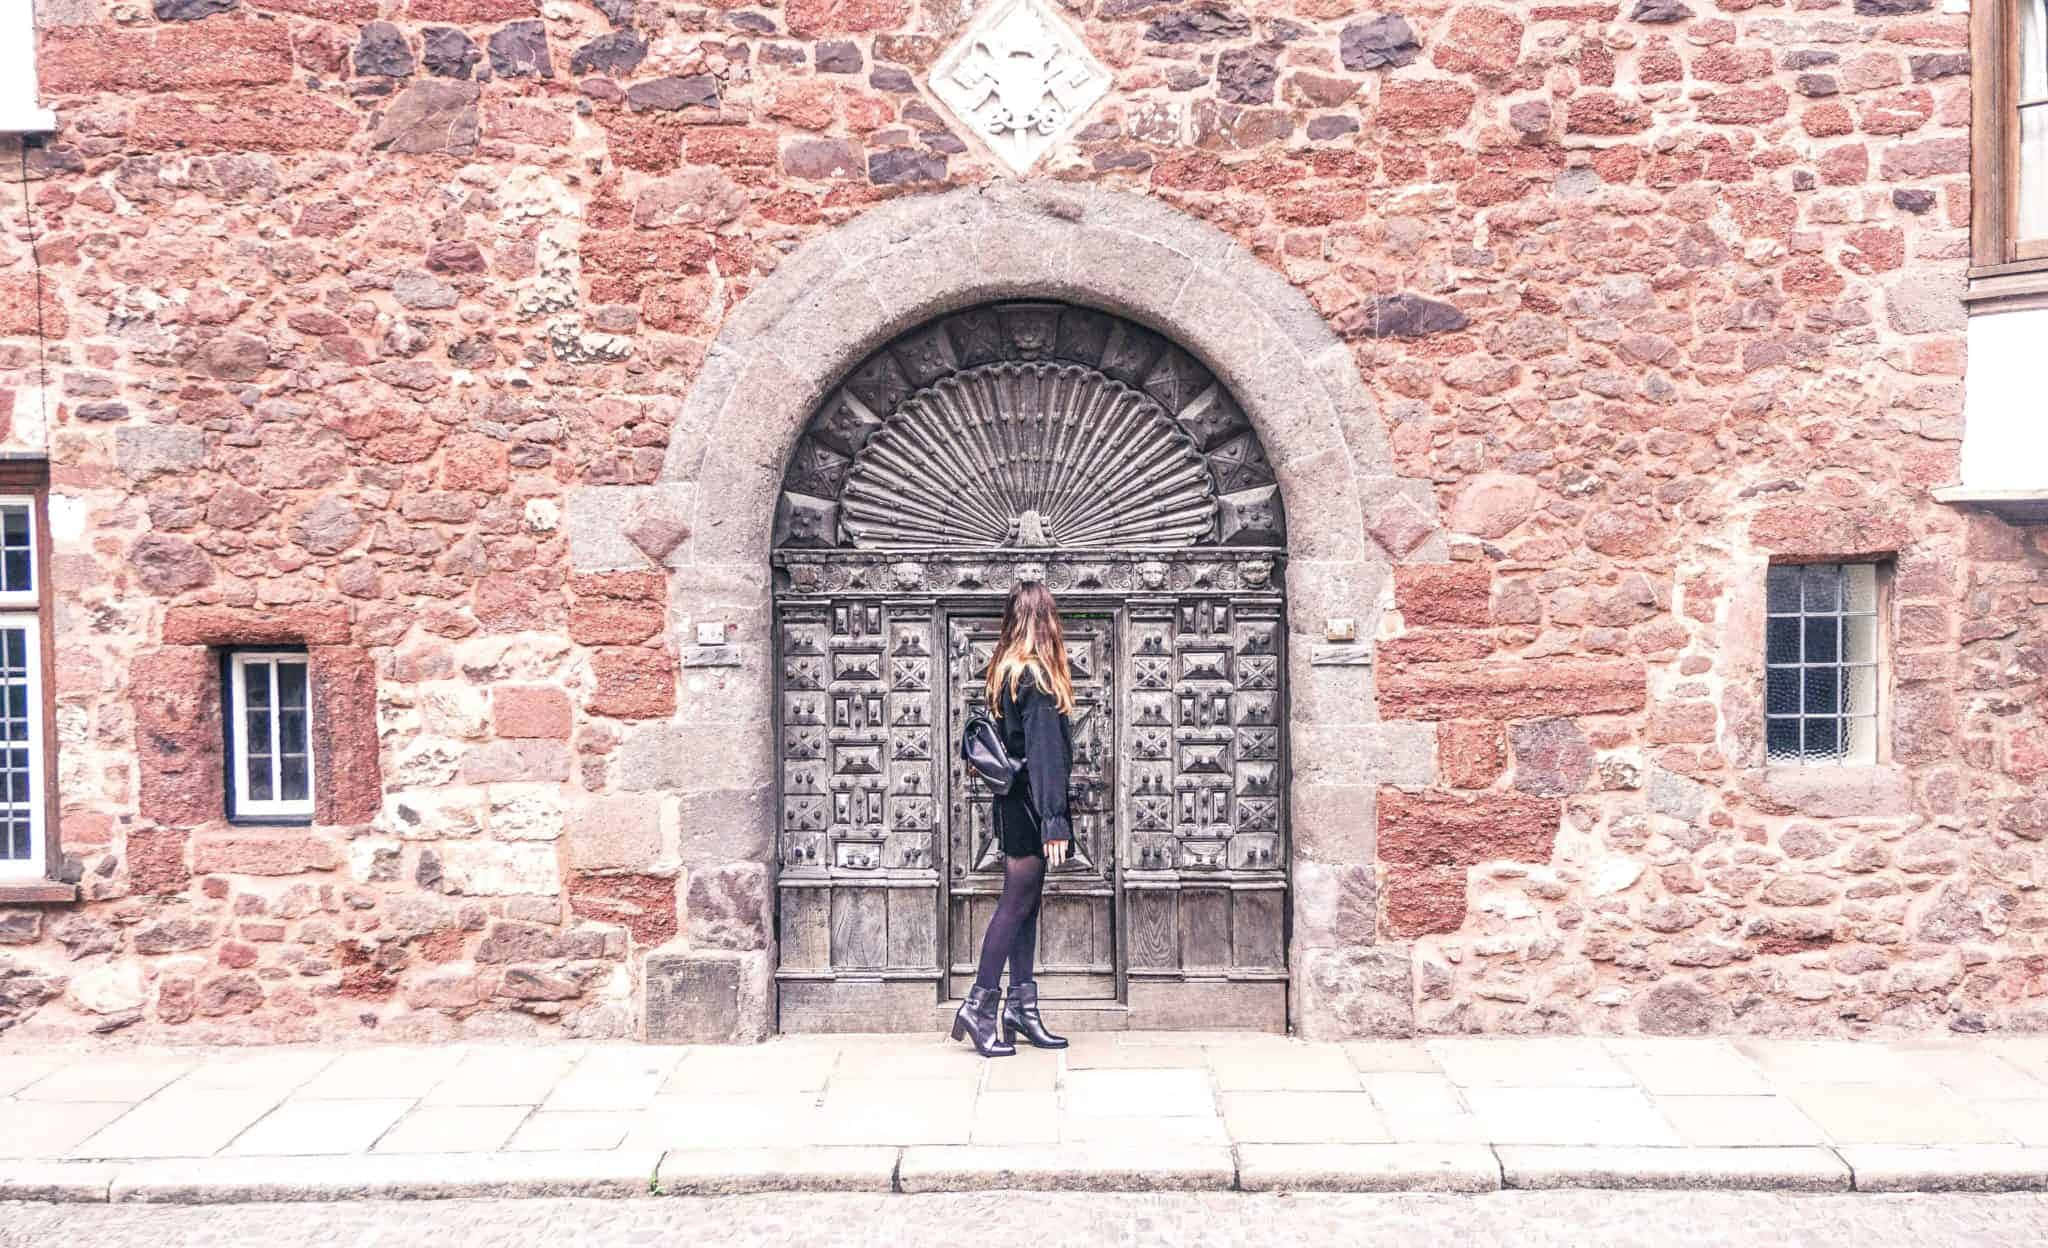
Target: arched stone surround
column 845, row 293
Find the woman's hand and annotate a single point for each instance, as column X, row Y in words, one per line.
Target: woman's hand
column 1056, row 852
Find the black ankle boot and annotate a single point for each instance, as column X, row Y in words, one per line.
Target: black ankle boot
column 1020, row 1013
column 976, row 1018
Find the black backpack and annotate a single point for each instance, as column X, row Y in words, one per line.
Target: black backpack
column 981, row 745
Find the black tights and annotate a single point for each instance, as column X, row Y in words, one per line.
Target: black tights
column 1013, row 931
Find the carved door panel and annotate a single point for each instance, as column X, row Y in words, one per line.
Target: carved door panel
column 1077, row 925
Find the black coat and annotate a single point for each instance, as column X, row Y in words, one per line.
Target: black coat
column 1033, row 728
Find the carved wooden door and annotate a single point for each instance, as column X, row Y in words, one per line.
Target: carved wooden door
column 1077, row 925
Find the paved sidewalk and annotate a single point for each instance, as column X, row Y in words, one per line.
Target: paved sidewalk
column 1118, row 1111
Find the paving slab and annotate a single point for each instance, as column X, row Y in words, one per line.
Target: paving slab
column 759, row 1120
column 1367, row 1168
column 394, row 1176
column 1302, row 1118
column 1507, row 1062
column 46, row 1129
column 1139, row 1093
column 734, row 1172
column 1031, row 1070
column 64, row 1182
column 1834, row 1062
column 1976, row 1073
column 1645, row 1169
column 282, row 1071
column 778, row 1066
column 1311, row 1068
column 18, row 1070
column 453, row 1129
column 314, row 1128
column 572, row 1131
column 1690, row 1066
column 1015, row 1118
column 107, row 1079
column 875, row 1112
column 503, row 1077
column 1387, row 1056
column 1143, row 1132
column 397, row 1072
column 1982, row 1168
column 1107, row 1051
column 1738, row 1121
column 178, row 1124
column 614, row 1081
column 1920, row 1116
column 2024, row 1122
column 1066, row 1168
column 1566, row 1116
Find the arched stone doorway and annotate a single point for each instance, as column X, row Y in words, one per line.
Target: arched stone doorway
column 783, row 351
column 1030, row 439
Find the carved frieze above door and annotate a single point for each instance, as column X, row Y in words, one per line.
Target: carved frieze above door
column 1045, row 442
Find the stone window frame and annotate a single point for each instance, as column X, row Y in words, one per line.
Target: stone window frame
column 239, row 808
column 21, row 111
column 1879, row 614
column 2003, row 265
column 28, row 479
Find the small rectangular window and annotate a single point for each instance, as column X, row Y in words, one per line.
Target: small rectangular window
column 22, row 800
column 270, row 742
column 1821, row 663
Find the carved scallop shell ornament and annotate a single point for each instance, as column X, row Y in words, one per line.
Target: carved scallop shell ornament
column 1030, row 456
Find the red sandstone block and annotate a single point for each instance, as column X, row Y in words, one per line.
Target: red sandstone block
column 256, row 626
column 272, row 119
column 1746, row 106
column 469, row 12
column 156, row 861
column 1683, row 722
column 1820, row 530
column 601, row 622
column 350, row 11
column 18, row 307
column 348, row 777
column 1597, row 112
column 1424, row 901
column 810, row 18
column 197, row 56
column 633, row 683
column 475, row 463
column 531, row 711
column 1444, row 593
column 1437, row 829
column 641, row 586
column 1423, row 105
column 1515, row 689
column 730, row 145
column 262, row 853
column 1471, row 753
column 644, row 905
column 175, row 694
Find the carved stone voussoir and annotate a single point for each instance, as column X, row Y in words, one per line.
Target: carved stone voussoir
column 1021, row 78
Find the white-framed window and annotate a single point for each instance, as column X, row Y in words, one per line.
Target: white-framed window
column 24, row 803
column 1822, row 664
column 20, row 111
column 270, row 738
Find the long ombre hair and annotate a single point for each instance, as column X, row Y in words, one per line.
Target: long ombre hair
column 1032, row 641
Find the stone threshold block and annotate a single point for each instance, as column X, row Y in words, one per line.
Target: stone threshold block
column 1066, row 1168
column 389, row 1176
column 1765, row 1169
column 1367, row 1168
column 56, row 1182
column 1971, row 1168
column 743, row 1171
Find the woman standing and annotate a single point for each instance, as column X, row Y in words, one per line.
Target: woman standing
column 1032, row 695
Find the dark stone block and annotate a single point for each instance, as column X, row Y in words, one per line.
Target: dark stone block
column 751, row 23
column 520, row 50
column 449, row 53
column 1247, row 75
column 1914, row 201
column 1939, row 65
column 191, row 10
column 1810, row 58
column 899, row 165
column 1816, row 86
column 618, row 12
column 670, row 94
column 1891, row 8
column 837, row 56
column 1658, row 12
column 1198, row 24
column 381, row 52
column 1323, row 129
column 1411, row 316
column 617, row 53
column 1382, row 42
column 893, row 79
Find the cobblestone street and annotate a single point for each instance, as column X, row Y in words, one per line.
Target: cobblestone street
column 1018, row 1219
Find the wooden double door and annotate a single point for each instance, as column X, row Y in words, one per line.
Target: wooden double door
column 1171, row 910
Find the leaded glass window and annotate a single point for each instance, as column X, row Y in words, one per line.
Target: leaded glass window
column 1821, row 663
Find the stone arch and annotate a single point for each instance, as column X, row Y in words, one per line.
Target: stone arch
column 845, row 294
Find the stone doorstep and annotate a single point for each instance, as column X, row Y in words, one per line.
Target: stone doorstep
column 1777, row 1169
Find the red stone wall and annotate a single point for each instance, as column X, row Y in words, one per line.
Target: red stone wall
column 345, row 302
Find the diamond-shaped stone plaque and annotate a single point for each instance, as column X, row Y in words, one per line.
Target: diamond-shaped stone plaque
column 1021, row 78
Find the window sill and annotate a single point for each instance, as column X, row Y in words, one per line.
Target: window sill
column 1832, row 790
column 24, row 121
column 2012, row 506
column 32, row 892
column 2006, row 287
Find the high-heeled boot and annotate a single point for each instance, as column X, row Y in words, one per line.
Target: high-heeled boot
column 1020, row 1013
column 976, row 1019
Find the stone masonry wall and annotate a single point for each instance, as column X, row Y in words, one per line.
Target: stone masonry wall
column 347, row 307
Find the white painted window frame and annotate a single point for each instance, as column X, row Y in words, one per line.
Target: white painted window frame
column 29, row 599
column 21, row 109
column 36, row 865
column 278, row 808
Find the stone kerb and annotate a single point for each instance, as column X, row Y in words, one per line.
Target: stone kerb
column 847, row 292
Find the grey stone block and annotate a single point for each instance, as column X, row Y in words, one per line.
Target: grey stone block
column 1648, row 1169
column 1969, row 1168
column 391, row 1176
column 708, row 997
column 1335, row 823
column 1066, row 1168
column 1348, row 994
column 597, row 519
column 737, row 1172
column 1394, row 752
column 694, row 424
column 56, row 1182
column 1406, row 1167
column 726, row 825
